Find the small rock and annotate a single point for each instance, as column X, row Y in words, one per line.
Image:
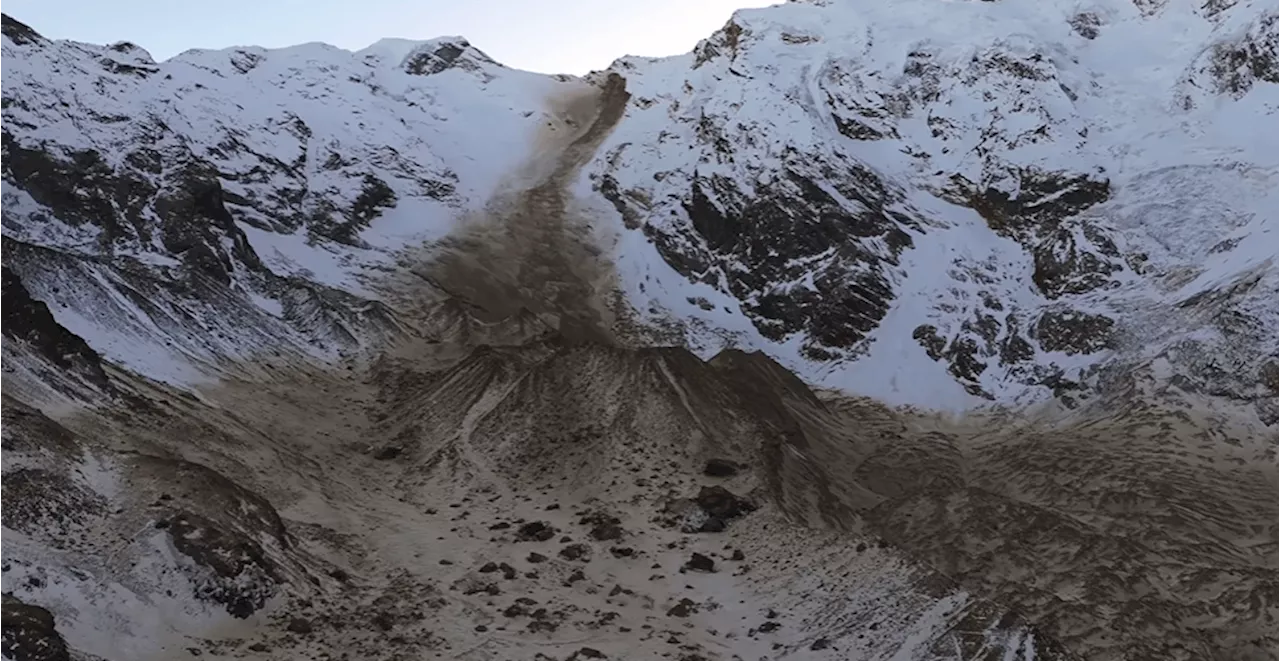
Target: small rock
column 820, row 644
column 535, row 531
column 622, row 552
column 501, row 525
column 259, row 647
column 699, row 562
column 299, row 625
column 721, row 503
column 720, row 468
column 340, row 575
column 535, row 558
column 738, row 555
column 384, row 621
column 588, row 653
column 769, row 627
column 388, row 452
column 576, row 576
column 683, row 608
column 713, row 524
column 576, row 552
column 488, row 568
column 445, row 561
column 514, row 610
column 508, row 572
column 481, row 628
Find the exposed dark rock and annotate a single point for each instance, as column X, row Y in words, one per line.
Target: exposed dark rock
column 1073, row 332
column 700, row 562
column 28, row 632
column 1043, row 200
column 723, row 42
column 47, row 503
column 18, row 32
column 375, row 195
column 1236, row 64
column 927, row 336
column 300, row 625
column 1086, row 24
column 535, row 558
column 388, row 452
column 432, row 59
column 734, row 240
column 720, row 468
column 820, row 644
column 29, row 321
column 384, row 620
column 535, row 531
column 684, row 608
column 576, row 552
column 721, row 503
column 604, row 526
column 1062, row 266
column 587, row 653
column 244, row 577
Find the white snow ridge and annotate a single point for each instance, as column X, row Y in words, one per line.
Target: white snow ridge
column 918, row 330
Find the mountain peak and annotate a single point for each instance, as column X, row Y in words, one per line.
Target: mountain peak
column 19, row 32
column 428, row 56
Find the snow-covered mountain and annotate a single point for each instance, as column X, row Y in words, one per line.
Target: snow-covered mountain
column 940, row 204
column 273, row 318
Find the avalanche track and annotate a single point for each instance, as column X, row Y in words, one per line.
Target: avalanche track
column 522, row 483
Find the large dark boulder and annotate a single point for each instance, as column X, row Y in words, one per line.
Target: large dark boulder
column 29, row 633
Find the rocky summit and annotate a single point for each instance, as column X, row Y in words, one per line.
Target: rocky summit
column 912, row 330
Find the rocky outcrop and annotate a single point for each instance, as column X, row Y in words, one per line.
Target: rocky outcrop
column 1237, row 64
column 30, row 632
column 28, row 321
column 442, row 54
column 239, row 575
column 19, row 32
column 832, row 286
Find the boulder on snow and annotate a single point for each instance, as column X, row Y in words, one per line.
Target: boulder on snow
column 720, row 468
column 29, row 633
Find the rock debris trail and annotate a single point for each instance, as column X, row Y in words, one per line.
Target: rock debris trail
column 527, row 252
column 522, row 485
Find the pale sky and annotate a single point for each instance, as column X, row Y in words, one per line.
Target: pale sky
column 548, row 36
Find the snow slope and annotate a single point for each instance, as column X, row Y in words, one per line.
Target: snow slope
column 1109, row 159
column 316, row 165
